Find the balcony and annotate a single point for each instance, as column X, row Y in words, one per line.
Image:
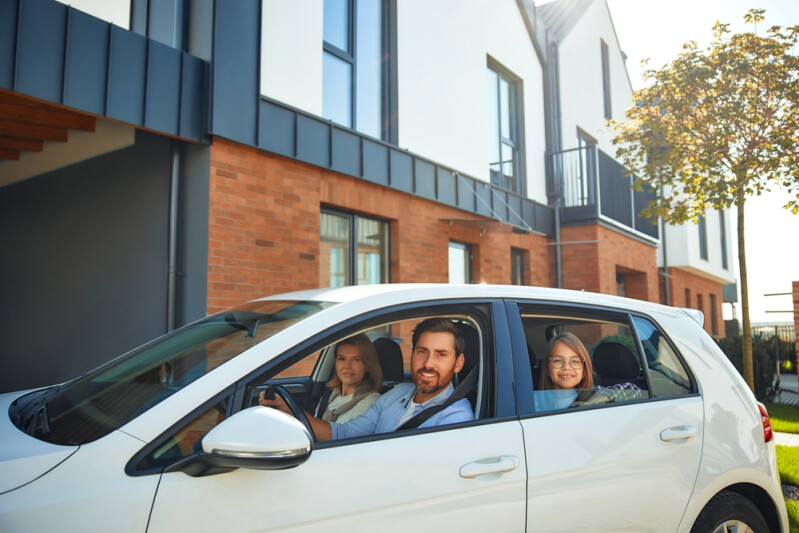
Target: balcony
column 593, row 188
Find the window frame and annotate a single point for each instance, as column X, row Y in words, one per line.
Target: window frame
column 468, row 260
column 519, row 308
column 515, row 128
column 352, row 256
column 388, row 68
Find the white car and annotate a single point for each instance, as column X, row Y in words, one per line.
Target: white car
column 170, row 437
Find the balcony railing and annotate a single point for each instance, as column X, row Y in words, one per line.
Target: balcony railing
column 592, row 186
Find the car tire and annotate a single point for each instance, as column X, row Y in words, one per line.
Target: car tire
column 729, row 511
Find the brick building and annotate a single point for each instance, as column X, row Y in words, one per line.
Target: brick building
column 193, row 155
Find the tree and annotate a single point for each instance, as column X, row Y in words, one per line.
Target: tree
column 714, row 127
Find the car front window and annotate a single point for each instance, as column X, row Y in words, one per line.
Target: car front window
column 92, row 406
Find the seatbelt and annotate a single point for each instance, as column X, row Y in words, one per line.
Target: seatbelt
column 322, row 407
column 463, row 388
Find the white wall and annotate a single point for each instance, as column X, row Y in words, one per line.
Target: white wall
column 291, row 52
column 443, row 48
column 113, row 11
column 582, row 97
column 682, row 248
column 443, row 105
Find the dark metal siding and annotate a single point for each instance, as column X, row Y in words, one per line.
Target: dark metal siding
column 59, row 54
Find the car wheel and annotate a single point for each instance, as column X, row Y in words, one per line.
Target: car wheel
column 729, row 512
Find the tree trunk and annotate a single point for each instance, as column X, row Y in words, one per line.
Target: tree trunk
column 749, row 373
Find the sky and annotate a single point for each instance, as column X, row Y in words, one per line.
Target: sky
column 657, row 29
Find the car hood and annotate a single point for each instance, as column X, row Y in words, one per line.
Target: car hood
column 22, row 457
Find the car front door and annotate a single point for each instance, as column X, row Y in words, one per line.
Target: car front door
column 464, row 477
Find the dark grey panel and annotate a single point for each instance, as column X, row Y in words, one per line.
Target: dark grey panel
column 375, row 162
column 500, row 206
column 514, row 209
column 86, row 62
column 236, row 68
column 83, row 275
column 126, row 76
column 466, row 196
column 165, row 22
column 195, row 172
column 192, row 104
column 9, row 10
column 40, row 52
column 162, row 100
column 401, row 171
column 346, row 152
column 276, row 129
column 447, row 192
column 425, row 179
column 313, row 141
column 483, row 206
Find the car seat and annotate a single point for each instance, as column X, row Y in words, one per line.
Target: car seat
column 615, row 363
column 389, row 354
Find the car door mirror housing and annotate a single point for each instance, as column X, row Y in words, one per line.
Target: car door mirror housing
column 259, row 438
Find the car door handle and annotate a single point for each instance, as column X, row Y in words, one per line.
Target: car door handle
column 677, row 433
column 505, row 463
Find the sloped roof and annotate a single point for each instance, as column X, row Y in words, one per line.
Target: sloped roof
column 560, row 16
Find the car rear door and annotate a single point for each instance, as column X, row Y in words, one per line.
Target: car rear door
column 626, row 466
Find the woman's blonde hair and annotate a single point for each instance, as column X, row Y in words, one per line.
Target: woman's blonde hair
column 570, row 340
column 373, row 378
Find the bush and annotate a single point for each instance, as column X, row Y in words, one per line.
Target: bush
column 764, row 357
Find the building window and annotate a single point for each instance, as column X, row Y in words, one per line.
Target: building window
column 460, row 263
column 517, row 266
column 687, row 297
column 354, row 65
column 714, row 330
column 702, row 237
column 723, row 232
column 504, row 112
column 700, row 304
column 353, row 250
column 606, row 79
column 621, row 285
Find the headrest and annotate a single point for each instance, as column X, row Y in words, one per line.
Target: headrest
column 389, row 354
column 615, row 359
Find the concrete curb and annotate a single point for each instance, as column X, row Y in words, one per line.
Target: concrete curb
column 786, row 439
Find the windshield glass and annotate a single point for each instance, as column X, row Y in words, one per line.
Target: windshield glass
column 107, row 398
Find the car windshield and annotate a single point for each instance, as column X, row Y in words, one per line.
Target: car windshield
column 105, row 399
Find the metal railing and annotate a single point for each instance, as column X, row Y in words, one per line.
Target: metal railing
column 593, row 185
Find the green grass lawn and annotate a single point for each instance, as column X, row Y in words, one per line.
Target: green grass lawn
column 785, row 418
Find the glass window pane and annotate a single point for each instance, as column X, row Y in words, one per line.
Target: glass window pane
column 334, row 251
column 369, row 68
column 372, row 251
column 337, row 90
column 459, row 263
column 666, row 373
column 505, row 109
column 337, row 25
column 493, row 124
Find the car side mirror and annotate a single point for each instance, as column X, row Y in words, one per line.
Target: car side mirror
column 259, row 438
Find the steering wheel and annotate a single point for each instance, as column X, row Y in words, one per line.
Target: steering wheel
column 295, row 409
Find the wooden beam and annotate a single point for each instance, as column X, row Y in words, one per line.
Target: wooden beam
column 16, row 143
column 45, row 116
column 10, row 155
column 9, row 128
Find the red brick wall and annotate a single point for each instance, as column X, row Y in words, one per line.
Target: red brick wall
column 700, row 289
column 599, row 253
column 264, row 229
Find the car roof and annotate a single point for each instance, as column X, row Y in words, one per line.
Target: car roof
column 392, row 293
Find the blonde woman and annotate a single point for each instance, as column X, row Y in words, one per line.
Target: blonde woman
column 357, row 382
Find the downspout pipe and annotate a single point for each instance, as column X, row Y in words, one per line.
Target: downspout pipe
column 172, row 274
